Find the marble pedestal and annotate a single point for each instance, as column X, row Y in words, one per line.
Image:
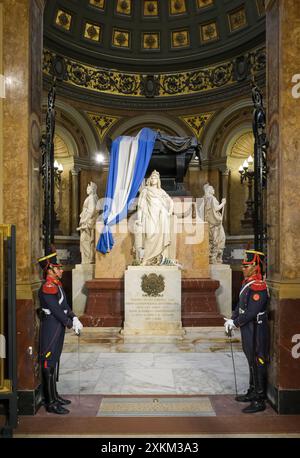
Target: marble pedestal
column 222, row 273
column 152, row 301
column 81, row 274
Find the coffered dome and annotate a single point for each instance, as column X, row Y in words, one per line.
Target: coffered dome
column 152, row 35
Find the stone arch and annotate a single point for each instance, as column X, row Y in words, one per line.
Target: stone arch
column 171, row 125
column 220, row 128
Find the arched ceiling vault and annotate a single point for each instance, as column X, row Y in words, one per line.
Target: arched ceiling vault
column 153, row 35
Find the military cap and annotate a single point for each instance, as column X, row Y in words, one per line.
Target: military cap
column 46, row 262
column 253, row 257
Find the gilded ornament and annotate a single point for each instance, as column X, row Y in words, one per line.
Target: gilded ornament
column 102, row 123
column 153, row 285
column 151, row 40
column 124, row 7
column 151, row 8
column 237, row 19
column 92, row 32
column 209, row 32
column 156, row 85
column 98, row 3
column 63, row 19
column 177, row 6
column 204, row 3
column 197, row 122
column 180, row 38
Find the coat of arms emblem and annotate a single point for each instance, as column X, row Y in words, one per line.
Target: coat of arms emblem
column 153, row 284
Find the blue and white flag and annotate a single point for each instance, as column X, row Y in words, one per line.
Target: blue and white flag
column 129, row 160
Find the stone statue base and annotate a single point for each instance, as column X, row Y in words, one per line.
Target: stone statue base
column 222, row 273
column 152, row 301
column 81, row 274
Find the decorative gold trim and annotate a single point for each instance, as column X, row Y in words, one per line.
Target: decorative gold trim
column 47, row 257
column 98, row 4
column 121, row 38
column 204, row 3
column 197, row 122
column 102, row 122
column 151, row 41
column 177, row 7
column 180, row 39
column 151, row 8
column 92, row 31
column 124, row 7
column 209, row 32
column 63, row 19
column 108, row 81
column 237, row 19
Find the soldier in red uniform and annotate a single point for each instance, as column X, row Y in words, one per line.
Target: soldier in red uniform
column 250, row 316
column 55, row 315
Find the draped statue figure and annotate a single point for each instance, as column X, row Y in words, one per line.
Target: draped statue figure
column 153, row 224
column 214, row 217
column 87, row 223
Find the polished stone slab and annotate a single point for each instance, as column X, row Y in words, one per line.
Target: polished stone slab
column 103, row 363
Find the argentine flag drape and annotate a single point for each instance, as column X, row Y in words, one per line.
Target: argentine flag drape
column 129, row 159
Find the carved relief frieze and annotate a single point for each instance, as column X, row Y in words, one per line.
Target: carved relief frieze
column 162, row 84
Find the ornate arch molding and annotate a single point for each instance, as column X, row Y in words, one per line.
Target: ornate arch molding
column 75, row 129
column 171, row 125
column 219, row 131
column 68, row 138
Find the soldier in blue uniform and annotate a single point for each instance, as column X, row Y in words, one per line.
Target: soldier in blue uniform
column 250, row 316
column 55, row 315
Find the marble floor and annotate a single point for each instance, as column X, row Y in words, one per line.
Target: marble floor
column 103, row 362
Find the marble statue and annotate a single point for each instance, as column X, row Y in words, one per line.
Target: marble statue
column 87, row 223
column 153, row 225
column 213, row 214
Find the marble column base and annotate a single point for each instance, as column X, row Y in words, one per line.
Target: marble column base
column 222, row 273
column 81, row 274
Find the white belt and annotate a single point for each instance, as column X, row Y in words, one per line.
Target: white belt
column 48, row 312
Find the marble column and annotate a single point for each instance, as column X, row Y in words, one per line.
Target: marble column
column 283, row 51
column 21, row 65
column 75, row 200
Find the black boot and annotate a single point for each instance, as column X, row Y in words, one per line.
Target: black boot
column 258, row 401
column 51, row 404
column 247, row 397
column 255, row 406
column 58, row 398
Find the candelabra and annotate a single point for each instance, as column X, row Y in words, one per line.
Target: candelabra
column 247, row 174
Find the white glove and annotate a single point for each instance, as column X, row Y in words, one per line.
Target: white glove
column 77, row 325
column 229, row 326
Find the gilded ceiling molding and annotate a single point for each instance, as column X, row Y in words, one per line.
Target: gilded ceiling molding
column 173, row 84
column 102, row 122
column 197, row 122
